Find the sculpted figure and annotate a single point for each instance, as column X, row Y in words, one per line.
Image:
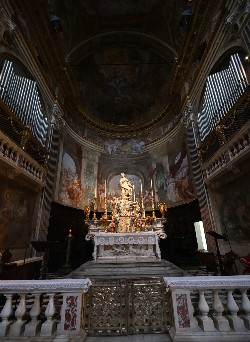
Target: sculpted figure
column 126, row 186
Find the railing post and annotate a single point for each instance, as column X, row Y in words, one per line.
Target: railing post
column 17, row 328
column 70, row 323
column 182, row 310
column 49, row 326
column 205, row 322
column 5, row 314
column 235, row 321
column 32, row 328
column 220, row 322
column 245, row 303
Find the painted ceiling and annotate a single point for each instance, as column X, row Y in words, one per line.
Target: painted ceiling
column 119, row 67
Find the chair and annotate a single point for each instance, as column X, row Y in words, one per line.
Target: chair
column 245, row 261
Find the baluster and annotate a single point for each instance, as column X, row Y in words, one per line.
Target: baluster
column 235, row 322
column 5, row 314
column 32, row 328
column 49, row 326
column 6, row 151
column 1, row 146
column 204, row 321
column 17, row 328
column 220, row 322
column 245, row 141
column 245, row 303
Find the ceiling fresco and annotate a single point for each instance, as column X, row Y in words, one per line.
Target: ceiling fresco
column 122, row 86
column 121, row 55
column 119, row 68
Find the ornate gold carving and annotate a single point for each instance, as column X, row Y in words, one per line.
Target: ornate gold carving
column 163, row 208
column 126, row 307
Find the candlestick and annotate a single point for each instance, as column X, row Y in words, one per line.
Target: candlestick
column 143, row 207
column 153, row 200
column 66, row 268
column 153, row 207
column 95, row 207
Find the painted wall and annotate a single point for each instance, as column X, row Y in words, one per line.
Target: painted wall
column 84, row 172
column 233, row 209
column 77, row 183
column 17, row 206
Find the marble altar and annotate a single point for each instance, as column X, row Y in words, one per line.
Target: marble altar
column 126, row 243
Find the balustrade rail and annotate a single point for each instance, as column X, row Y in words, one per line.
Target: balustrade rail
column 41, row 308
column 210, row 308
column 229, row 154
column 20, row 162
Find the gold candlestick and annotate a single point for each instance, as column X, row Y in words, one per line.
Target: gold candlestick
column 143, row 207
column 95, row 207
column 153, row 206
column 105, row 208
column 163, row 208
column 87, row 209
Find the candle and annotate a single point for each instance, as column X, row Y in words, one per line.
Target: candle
column 70, row 232
column 141, row 187
column 96, row 191
column 151, row 183
column 134, row 191
column 105, row 188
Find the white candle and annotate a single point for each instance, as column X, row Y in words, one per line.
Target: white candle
column 141, row 187
column 105, row 188
column 96, row 191
column 151, row 183
column 134, row 191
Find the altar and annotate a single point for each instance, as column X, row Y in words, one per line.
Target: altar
column 126, row 242
column 126, row 245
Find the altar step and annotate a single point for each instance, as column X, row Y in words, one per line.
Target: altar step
column 117, row 269
column 131, row 338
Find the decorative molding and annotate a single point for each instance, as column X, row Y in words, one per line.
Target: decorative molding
column 57, row 285
column 208, row 283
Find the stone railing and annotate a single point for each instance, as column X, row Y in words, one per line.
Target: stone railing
column 19, row 162
column 228, row 156
column 42, row 309
column 209, row 308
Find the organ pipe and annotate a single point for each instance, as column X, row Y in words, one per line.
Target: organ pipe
column 222, row 90
column 21, row 95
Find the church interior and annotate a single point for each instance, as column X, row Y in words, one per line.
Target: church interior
column 125, row 160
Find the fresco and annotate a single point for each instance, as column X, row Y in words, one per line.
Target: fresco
column 165, row 170
column 129, row 84
column 234, row 209
column 16, row 213
column 171, row 173
column 77, row 185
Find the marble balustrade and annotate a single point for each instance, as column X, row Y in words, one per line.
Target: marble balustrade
column 20, row 162
column 209, row 308
column 41, row 308
column 228, row 156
